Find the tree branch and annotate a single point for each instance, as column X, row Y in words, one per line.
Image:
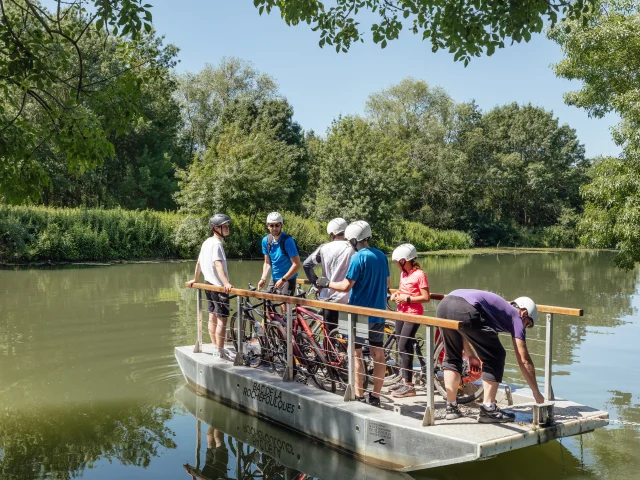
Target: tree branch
column 24, row 99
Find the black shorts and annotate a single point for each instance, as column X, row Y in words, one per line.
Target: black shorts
column 288, row 288
column 376, row 336
column 218, row 302
column 330, row 318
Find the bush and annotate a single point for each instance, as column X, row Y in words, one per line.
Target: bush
column 35, row 234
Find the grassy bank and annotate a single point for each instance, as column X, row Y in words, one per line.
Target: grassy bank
column 40, row 234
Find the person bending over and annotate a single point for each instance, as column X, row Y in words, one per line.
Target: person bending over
column 484, row 315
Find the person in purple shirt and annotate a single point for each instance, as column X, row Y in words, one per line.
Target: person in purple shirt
column 484, row 315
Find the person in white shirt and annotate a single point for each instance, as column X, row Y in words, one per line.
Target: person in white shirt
column 212, row 262
column 334, row 257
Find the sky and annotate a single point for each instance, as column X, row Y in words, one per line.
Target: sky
column 321, row 84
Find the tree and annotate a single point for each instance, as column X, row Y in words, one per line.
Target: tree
column 465, row 27
column 250, row 165
column 361, row 174
column 49, row 100
column 527, row 169
column 604, row 53
column 140, row 174
column 203, row 96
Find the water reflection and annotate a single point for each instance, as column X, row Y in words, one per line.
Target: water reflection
column 253, row 448
column 65, row 443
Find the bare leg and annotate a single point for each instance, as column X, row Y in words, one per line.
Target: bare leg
column 451, row 383
column 490, row 391
column 377, row 354
column 212, row 328
column 359, row 369
column 221, row 331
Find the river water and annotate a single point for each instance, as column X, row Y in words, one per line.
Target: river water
column 89, row 387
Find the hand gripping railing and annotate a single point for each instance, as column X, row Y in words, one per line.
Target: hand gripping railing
column 353, row 312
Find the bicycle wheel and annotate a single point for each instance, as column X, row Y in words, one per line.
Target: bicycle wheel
column 277, row 343
column 338, row 355
column 470, row 388
column 252, row 347
column 392, row 373
column 315, row 363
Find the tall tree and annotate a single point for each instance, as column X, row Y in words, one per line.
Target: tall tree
column 361, row 174
column 203, row 96
column 465, row 27
column 604, row 54
column 49, row 99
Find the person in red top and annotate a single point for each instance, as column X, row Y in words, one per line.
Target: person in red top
column 412, row 293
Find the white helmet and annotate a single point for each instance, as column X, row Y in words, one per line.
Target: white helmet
column 337, row 226
column 406, row 251
column 274, row 217
column 526, row 302
column 358, row 230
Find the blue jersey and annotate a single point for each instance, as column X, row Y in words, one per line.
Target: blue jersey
column 369, row 270
column 280, row 263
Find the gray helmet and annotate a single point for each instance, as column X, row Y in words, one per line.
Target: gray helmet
column 219, row 219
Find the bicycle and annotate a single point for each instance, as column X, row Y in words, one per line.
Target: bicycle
column 309, row 360
column 470, row 387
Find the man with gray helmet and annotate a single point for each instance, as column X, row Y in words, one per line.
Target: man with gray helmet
column 368, row 281
column 484, row 315
column 281, row 258
column 212, row 262
column 334, row 257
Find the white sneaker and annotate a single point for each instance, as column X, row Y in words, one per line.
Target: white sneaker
column 222, row 353
column 216, row 352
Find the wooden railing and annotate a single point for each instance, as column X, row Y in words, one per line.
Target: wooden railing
column 352, row 313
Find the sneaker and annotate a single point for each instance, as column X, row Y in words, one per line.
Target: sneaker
column 453, row 412
column 222, row 353
column 216, row 352
column 405, row 391
column 374, row 401
column 397, row 386
column 495, row 415
column 362, row 399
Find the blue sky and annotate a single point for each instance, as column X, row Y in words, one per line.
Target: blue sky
column 321, row 84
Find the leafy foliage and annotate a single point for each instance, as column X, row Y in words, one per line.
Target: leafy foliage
column 466, row 27
column 51, row 97
column 604, row 53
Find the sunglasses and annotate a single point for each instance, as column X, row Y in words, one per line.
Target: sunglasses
column 274, row 225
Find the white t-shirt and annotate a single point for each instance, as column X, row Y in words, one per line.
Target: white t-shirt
column 211, row 251
column 334, row 257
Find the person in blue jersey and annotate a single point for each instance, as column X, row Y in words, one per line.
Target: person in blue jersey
column 281, row 258
column 368, row 281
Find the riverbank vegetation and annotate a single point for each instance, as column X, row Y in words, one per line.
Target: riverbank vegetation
column 144, row 175
column 38, row 234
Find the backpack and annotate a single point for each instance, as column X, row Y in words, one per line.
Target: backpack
column 283, row 240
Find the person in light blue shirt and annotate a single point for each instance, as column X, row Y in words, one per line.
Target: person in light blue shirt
column 281, row 258
column 368, row 281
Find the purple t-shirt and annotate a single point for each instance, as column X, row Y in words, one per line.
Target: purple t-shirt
column 496, row 311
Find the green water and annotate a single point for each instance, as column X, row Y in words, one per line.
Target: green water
column 89, row 387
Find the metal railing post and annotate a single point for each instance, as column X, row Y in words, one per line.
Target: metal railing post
column 429, row 413
column 548, row 360
column 239, row 334
column 197, row 348
column 350, row 392
column 288, row 372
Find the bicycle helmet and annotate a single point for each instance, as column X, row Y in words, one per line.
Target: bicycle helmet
column 357, row 231
column 219, row 219
column 405, row 251
column 274, row 217
column 337, row 226
column 526, row 302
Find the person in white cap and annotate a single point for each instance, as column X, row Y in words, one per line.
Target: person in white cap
column 411, row 294
column 368, row 281
column 281, row 258
column 484, row 315
column 334, row 257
